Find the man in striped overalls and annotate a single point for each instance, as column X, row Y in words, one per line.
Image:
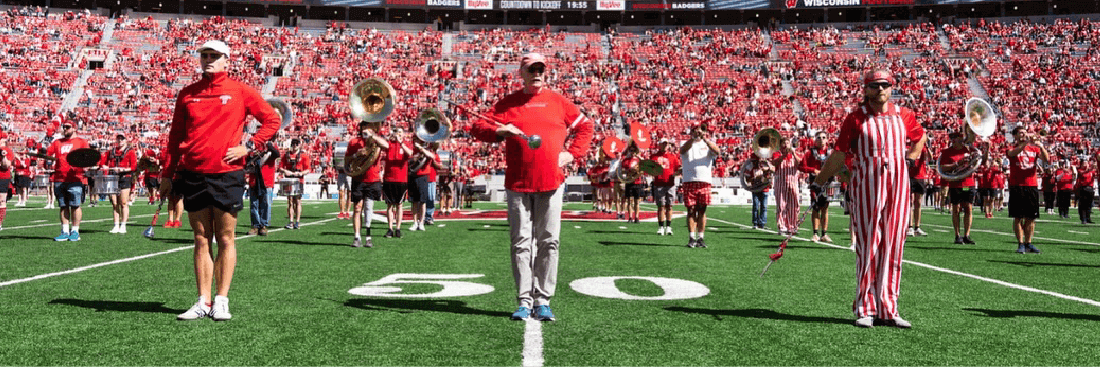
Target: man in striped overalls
column 786, row 188
column 876, row 134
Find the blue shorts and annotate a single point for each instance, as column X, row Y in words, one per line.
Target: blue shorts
column 69, row 194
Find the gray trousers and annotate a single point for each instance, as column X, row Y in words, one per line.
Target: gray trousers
column 535, row 221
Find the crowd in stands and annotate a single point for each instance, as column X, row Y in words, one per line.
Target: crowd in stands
column 798, row 81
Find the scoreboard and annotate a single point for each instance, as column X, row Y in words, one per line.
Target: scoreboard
column 616, row 5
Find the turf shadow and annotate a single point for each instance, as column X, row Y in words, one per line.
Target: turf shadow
column 968, row 248
column 616, row 243
column 800, row 247
column 410, row 306
column 1032, row 263
column 1089, row 250
column 306, row 243
column 1020, row 313
column 120, row 306
column 760, row 313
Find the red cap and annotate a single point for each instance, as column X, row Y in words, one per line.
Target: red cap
column 880, row 75
column 530, row 59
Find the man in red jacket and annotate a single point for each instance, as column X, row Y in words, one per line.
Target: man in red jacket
column 206, row 168
column 534, row 178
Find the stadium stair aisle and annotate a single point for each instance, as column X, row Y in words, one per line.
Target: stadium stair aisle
column 108, row 32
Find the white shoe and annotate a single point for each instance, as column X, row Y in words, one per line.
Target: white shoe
column 668, row 231
column 21, row 204
column 826, row 239
column 920, row 232
column 900, row 323
column 220, row 311
column 909, row 233
column 782, row 233
column 122, row 230
column 114, row 230
column 660, row 231
column 815, row 238
column 865, row 322
column 197, row 311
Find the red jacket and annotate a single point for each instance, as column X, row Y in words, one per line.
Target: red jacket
column 209, row 119
column 549, row 115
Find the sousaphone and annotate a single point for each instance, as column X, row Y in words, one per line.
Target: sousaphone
column 371, row 100
column 981, row 122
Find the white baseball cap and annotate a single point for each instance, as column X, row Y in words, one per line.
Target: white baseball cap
column 216, row 46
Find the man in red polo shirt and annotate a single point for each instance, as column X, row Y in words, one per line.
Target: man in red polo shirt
column 534, row 178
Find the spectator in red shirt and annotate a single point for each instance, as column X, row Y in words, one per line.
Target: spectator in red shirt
column 206, row 168
column 534, row 178
column 120, row 162
column 295, row 165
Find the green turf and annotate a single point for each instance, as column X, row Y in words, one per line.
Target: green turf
column 291, row 303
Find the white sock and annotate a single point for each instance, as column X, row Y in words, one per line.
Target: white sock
column 76, row 229
column 700, row 235
column 122, row 225
column 694, row 235
column 357, row 236
column 65, row 228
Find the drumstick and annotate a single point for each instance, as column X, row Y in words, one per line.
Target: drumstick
column 533, row 141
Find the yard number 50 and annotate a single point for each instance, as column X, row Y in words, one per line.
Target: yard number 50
column 603, row 287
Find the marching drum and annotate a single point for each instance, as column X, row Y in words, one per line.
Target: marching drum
column 290, row 187
column 338, row 154
column 106, row 184
column 446, row 159
column 41, row 181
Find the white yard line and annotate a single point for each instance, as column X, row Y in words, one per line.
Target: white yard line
column 959, row 273
column 129, row 259
column 532, row 343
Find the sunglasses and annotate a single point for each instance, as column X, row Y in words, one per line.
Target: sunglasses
column 66, row 126
column 210, row 55
column 536, row 69
column 879, row 85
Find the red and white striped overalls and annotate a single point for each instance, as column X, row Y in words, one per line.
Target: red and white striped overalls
column 880, row 202
column 785, row 187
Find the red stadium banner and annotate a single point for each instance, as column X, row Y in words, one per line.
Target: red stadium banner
column 615, row 5
column 793, row 4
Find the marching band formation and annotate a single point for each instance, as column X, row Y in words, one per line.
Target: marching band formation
column 881, row 169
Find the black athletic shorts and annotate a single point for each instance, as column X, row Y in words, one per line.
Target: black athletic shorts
column 126, row 182
column 635, row 191
column 368, row 190
column 22, row 181
column 916, row 186
column 152, row 182
column 224, row 191
column 960, row 195
column 5, row 185
column 1023, row 202
column 394, row 192
column 988, row 191
column 417, row 188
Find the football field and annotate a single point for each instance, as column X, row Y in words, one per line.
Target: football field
column 625, row 296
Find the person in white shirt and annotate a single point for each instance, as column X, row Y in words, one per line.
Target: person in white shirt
column 697, row 157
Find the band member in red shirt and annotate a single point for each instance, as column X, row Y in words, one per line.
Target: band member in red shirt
column 122, row 162
column 420, row 183
column 634, row 190
column 367, row 187
column 811, row 165
column 1064, row 178
column 68, row 182
column 8, row 163
column 395, row 179
column 295, row 164
column 1086, row 178
column 534, row 178
column 920, row 185
column 961, row 191
column 663, row 184
column 206, row 167
column 1023, row 187
column 881, row 136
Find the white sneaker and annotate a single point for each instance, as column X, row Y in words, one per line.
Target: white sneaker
column 900, row 323
column 909, row 233
column 122, row 229
column 197, row 311
column 782, row 233
column 865, row 322
column 826, row 239
column 920, row 232
column 21, row 204
column 668, row 231
column 815, row 238
column 114, row 230
column 220, row 311
column 660, row 231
